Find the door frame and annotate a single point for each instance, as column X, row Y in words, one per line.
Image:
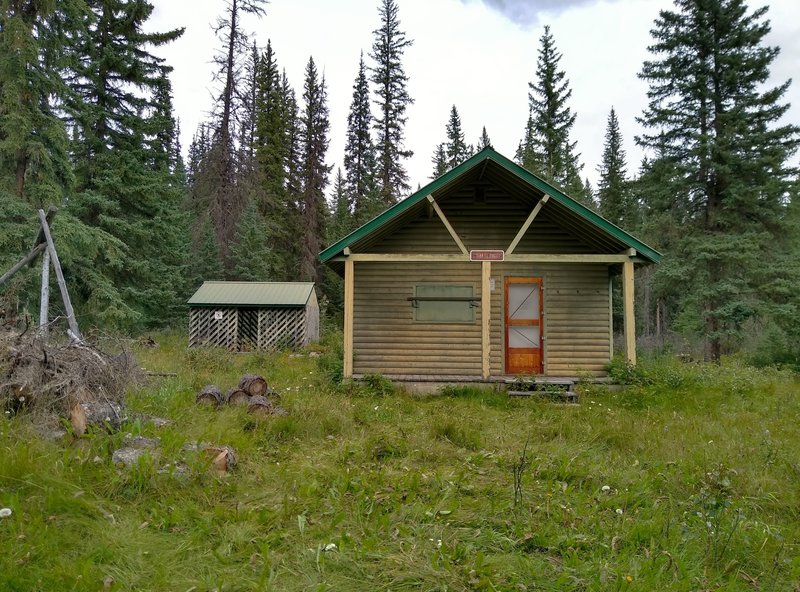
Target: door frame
column 508, row 280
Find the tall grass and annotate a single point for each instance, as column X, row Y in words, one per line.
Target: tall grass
column 686, row 480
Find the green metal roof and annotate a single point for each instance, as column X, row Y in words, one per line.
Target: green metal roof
column 512, row 169
column 261, row 294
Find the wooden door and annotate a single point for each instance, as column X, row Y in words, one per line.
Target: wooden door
column 522, row 327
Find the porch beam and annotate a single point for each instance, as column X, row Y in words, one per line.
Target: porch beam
column 627, row 311
column 456, row 257
column 347, row 371
column 486, row 307
column 450, row 229
column 527, row 224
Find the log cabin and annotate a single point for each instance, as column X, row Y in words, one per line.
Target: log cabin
column 485, row 274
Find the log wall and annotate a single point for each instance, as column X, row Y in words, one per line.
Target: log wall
column 387, row 339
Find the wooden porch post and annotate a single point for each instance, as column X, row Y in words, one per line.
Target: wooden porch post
column 627, row 309
column 486, row 321
column 348, row 318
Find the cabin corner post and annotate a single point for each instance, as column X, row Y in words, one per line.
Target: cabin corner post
column 628, row 314
column 348, row 318
column 486, row 321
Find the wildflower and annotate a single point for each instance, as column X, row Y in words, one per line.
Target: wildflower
column 5, row 512
column 619, row 511
column 629, row 578
column 606, row 488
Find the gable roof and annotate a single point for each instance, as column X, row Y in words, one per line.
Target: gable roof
column 517, row 175
column 261, row 294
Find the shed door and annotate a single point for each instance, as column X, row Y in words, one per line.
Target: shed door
column 523, row 329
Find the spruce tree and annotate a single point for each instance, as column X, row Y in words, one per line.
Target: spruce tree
column 548, row 149
column 314, row 126
column 456, row 146
column 716, row 129
column 341, row 218
column 252, row 257
column 226, row 199
column 34, row 161
column 391, row 83
column 613, row 190
column 119, row 109
column 439, row 160
column 359, row 152
column 484, row 141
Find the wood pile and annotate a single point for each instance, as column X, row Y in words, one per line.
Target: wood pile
column 72, row 380
column 252, row 392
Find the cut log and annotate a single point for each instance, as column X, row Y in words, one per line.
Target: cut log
column 264, row 407
column 223, row 458
column 237, row 396
column 259, row 406
column 77, row 417
column 273, row 396
column 209, row 395
column 105, row 414
column 253, row 384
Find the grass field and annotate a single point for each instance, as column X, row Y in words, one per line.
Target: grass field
column 687, row 480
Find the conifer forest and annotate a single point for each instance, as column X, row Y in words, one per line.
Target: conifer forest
column 87, row 124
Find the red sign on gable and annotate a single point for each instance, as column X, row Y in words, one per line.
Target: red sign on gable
column 487, row 255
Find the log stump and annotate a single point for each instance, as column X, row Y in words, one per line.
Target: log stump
column 209, row 395
column 254, row 385
column 237, row 396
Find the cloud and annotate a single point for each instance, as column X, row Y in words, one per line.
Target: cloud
column 526, row 12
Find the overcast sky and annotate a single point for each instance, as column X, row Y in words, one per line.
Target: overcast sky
column 476, row 54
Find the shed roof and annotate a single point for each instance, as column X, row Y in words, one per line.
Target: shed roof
column 262, row 294
column 516, row 179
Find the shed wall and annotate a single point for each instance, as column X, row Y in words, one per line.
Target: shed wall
column 242, row 329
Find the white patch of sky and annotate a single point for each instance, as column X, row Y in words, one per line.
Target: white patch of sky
column 477, row 54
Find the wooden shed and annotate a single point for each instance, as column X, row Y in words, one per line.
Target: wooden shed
column 244, row 316
column 486, row 273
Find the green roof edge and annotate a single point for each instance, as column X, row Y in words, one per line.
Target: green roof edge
column 489, row 153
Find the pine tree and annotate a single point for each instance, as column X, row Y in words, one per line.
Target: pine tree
column 483, row 141
column 613, row 190
column 390, row 83
column 456, row 146
column 359, row 152
column 314, row 136
column 719, row 140
column 548, row 150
